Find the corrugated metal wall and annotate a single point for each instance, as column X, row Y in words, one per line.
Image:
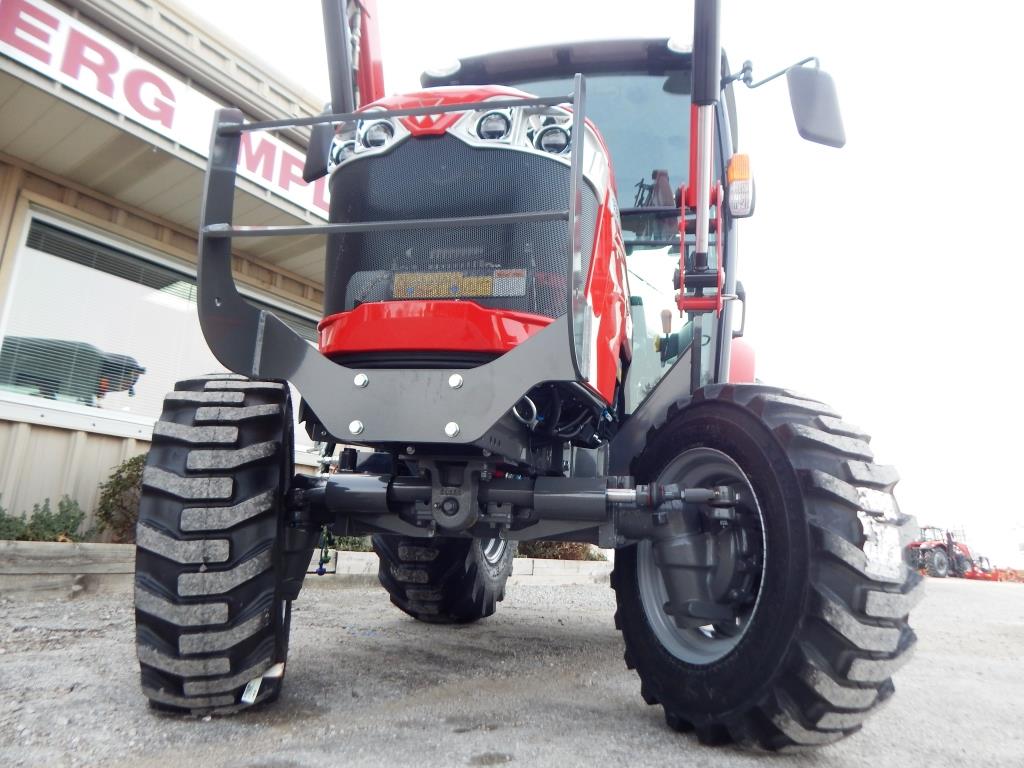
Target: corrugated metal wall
column 38, row 462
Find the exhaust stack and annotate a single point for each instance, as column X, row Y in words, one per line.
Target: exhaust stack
column 707, row 66
column 339, row 55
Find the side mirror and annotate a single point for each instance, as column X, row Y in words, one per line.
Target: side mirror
column 812, row 94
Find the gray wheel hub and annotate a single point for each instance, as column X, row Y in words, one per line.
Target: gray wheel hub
column 728, row 577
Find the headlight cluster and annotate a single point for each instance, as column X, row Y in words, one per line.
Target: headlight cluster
column 548, row 133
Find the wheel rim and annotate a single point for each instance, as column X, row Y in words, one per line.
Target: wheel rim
column 493, row 550
column 703, row 467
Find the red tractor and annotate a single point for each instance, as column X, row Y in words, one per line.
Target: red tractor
column 502, row 248
column 941, row 553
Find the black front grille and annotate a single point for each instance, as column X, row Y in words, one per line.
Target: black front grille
column 511, row 266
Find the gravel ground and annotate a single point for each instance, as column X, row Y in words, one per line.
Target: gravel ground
column 541, row 683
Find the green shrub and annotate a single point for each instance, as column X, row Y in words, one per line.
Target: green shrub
column 11, row 526
column 44, row 524
column 118, row 507
column 559, row 550
column 62, row 525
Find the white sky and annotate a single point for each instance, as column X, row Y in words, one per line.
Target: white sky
column 881, row 278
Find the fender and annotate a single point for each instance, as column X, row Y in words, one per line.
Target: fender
column 741, row 363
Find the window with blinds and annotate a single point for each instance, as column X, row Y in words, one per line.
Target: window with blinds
column 90, row 324
column 80, row 250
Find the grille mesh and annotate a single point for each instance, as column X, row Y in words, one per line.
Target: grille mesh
column 518, row 266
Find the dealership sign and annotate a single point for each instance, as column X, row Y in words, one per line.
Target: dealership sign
column 62, row 48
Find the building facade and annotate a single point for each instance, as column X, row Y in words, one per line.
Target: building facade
column 105, row 113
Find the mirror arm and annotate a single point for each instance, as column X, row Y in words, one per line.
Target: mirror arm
column 746, row 73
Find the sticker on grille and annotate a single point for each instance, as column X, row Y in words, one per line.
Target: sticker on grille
column 457, row 285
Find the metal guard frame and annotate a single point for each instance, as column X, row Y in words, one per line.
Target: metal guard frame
column 253, row 342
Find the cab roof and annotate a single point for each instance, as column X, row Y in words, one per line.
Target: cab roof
column 566, row 59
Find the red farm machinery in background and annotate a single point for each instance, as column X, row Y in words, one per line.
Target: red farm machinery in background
column 940, row 553
column 528, row 333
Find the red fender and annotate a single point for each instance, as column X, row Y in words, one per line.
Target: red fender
column 741, row 364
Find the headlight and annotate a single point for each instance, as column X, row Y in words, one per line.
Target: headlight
column 553, row 139
column 493, row 126
column 376, row 134
column 341, row 150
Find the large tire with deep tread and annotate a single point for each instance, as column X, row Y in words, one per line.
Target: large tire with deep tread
column 963, row 565
column 831, row 625
column 442, row 580
column 936, row 563
column 213, row 581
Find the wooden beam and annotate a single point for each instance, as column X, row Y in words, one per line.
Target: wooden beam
column 45, row 557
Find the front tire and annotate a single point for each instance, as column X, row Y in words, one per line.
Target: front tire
column 213, row 582
column 821, row 619
column 936, row 563
column 963, row 565
column 444, row 580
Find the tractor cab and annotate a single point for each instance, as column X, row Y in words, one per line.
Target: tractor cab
column 639, row 99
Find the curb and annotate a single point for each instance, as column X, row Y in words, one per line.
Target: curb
column 528, row 570
column 360, row 568
column 31, row 569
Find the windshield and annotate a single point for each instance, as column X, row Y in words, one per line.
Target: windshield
column 644, row 119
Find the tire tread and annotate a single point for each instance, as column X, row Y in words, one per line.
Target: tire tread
column 838, row 671
column 442, row 580
column 209, row 612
